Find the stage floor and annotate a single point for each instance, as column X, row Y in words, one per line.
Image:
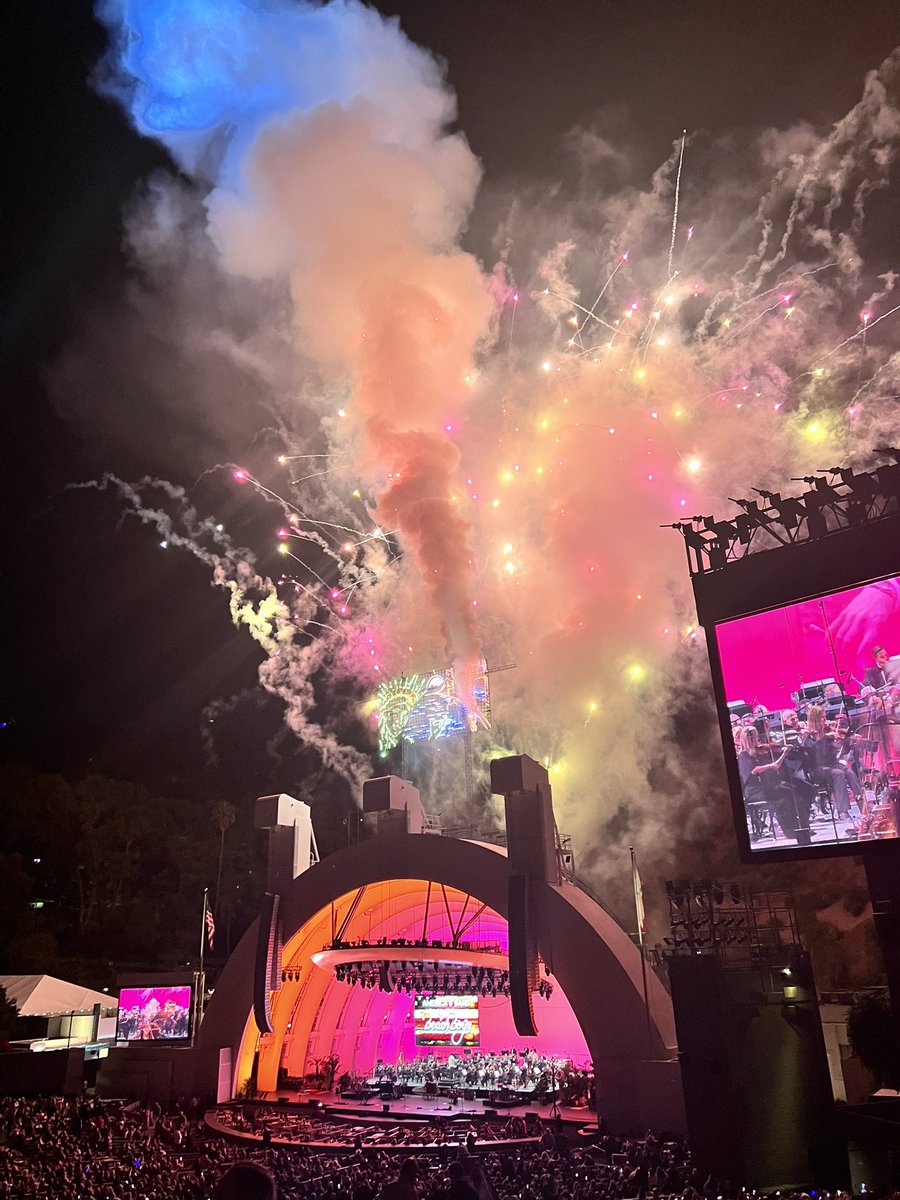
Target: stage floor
column 426, row 1106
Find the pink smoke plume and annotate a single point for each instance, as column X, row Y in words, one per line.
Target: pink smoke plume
column 368, row 229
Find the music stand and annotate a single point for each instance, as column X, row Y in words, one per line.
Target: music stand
column 554, row 1112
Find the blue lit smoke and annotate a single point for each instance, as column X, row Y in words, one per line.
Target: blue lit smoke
column 320, row 136
column 199, row 75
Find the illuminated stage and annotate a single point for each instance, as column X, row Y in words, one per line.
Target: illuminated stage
column 363, row 1025
column 327, row 981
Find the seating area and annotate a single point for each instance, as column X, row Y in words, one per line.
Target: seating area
column 291, row 1126
column 85, row 1149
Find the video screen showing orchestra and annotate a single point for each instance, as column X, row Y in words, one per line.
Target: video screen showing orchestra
column 449, row 1021
column 813, row 697
column 154, row 1014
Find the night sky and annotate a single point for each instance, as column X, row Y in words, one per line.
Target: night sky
column 112, row 648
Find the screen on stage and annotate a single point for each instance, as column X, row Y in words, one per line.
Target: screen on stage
column 154, row 1014
column 813, row 698
column 446, row 1021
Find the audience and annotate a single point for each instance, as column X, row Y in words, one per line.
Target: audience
column 246, row 1181
column 87, row 1149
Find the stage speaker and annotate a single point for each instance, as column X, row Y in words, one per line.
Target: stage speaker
column 490, row 1112
column 385, row 1108
column 530, row 829
column 282, row 1099
column 390, row 794
column 518, row 773
column 757, row 1091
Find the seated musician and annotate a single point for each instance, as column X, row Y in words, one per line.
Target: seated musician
column 795, row 771
column 790, row 726
column 881, row 688
column 884, row 674
column 759, row 769
column 829, row 770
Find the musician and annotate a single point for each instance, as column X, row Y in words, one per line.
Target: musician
column 758, row 771
column 129, row 1023
column 790, row 726
column 789, row 798
column 881, row 685
column 834, row 773
column 884, row 673
column 795, row 771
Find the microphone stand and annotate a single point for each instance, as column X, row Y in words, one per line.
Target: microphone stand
column 834, row 659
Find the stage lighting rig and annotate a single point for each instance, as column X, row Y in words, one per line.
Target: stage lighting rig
column 837, row 499
column 888, row 479
column 706, row 915
column 789, row 512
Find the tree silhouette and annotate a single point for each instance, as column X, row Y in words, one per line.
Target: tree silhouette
column 224, row 816
column 872, row 1037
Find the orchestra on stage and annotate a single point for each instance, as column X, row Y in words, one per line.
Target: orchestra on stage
column 826, row 769
column 509, row 1075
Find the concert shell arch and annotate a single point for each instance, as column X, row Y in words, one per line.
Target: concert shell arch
column 592, row 960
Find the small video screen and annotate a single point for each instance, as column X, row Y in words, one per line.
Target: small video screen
column 813, row 698
column 449, row 1021
column 154, row 1014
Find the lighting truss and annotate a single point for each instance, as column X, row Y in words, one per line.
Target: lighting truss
column 710, row 917
column 838, row 499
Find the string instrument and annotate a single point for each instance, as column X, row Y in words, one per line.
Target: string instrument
column 884, row 699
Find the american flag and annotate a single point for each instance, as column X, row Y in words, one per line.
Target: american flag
column 638, row 899
column 210, row 928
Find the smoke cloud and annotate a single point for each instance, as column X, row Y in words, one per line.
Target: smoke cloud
column 478, row 458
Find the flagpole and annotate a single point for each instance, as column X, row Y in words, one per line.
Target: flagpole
column 639, row 909
column 201, row 975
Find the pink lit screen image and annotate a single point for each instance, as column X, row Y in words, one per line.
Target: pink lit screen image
column 448, row 1021
column 813, row 694
column 154, row 1014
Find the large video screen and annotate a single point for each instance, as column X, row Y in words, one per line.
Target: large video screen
column 154, row 1014
column 813, row 697
column 449, row 1021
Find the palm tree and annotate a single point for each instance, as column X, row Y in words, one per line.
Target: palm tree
column 224, row 816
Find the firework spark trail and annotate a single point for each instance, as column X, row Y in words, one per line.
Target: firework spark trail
column 872, row 125
column 254, row 605
column 550, row 528
column 591, row 313
column 675, row 206
column 221, row 708
column 860, row 333
column 293, row 511
column 512, row 321
column 790, row 285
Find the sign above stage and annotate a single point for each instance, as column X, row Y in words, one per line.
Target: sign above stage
column 446, row 1020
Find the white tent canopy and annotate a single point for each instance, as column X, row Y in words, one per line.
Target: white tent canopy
column 45, row 996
